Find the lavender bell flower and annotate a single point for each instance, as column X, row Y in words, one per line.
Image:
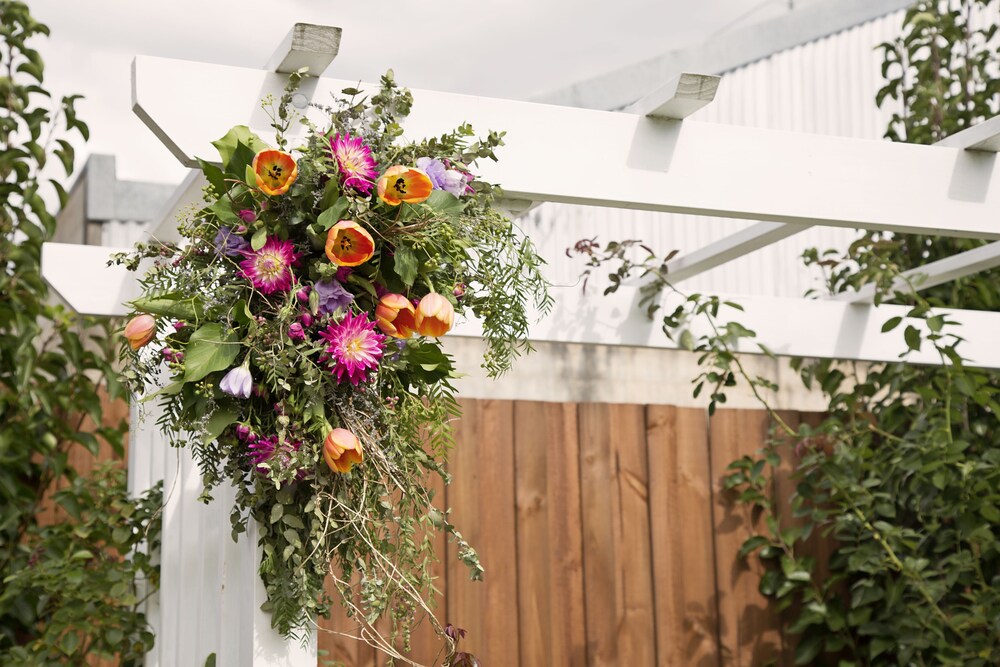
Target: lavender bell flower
column 442, row 178
column 332, row 296
column 228, row 243
column 237, row 382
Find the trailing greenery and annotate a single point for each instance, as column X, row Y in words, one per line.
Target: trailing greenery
column 68, row 589
column 299, row 328
column 904, row 473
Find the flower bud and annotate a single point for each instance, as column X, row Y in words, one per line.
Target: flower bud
column 394, row 316
column 434, row 316
column 140, row 330
column 342, row 450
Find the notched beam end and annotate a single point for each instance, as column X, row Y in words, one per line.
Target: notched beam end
column 680, row 98
column 306, row 45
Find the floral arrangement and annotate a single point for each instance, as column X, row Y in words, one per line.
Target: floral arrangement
column 299, row 325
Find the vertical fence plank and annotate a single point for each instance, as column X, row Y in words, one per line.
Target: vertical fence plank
column 482, row 496
column 617, row 561
column 549, row 539
column 680, row 494
column 749, row 627
column 425, row 644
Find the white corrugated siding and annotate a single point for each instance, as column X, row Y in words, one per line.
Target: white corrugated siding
column 826, row 87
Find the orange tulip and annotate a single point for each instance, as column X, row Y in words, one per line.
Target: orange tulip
column 348, row 244
column 394, row 316
column 399, row 184
column 274, row 171
column 140, row 330
column 342, row 450
column 434, row 315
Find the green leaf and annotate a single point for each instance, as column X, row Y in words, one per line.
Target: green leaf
column 445, row 203
column 218, row 423
column 333, row 214
column 171, row 305
column 240, row 134
column 214, row 176
column 891, row 324
column 259, row 239
column 224, row 211
column 808, row 649
column 208, row 351
column 405, row 264
column 363, row 283
column 912, row 337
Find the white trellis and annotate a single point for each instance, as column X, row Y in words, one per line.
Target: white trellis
column 647, row 157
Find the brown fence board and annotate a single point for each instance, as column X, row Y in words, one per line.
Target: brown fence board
column 749, row 628
column 549, row 539
column 617, row 558
column 482, row 501
column 681, row 528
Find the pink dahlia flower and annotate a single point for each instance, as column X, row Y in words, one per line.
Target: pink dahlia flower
column 353, row 348
column 269, row 269
column 355, row 161
column 267, row 450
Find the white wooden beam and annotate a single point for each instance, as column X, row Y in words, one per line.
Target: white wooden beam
column 306, row 45
column 788, row 326
column 983, row 137
column 933, row 274
column 81, row 276
column 678, row 99
column 814, row 328
column 630, row 161
column 729, row 248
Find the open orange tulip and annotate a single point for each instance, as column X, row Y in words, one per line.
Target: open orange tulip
column 140, row 330
column 342, row 450
column 434, row 315
column 275, row 171
column 349, row 244
column 399, row 184
column 394, row 316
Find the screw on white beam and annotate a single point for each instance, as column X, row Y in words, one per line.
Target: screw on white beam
column 306, row 45
column 678, row 99
column 983, row 137
column 729, row 248
column 936, row 273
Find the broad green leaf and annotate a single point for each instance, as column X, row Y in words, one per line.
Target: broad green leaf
column 171, row 305
column 364, row 283
column 333, row 214
column 259, row 239
column 405, row 264
column 240, row 134
column 224, row 210
column 217, row 423
column 208, row 351
column 213, row 174
column 445, row 203
column 891, row 324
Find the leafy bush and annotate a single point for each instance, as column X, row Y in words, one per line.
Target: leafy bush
column 66, row 589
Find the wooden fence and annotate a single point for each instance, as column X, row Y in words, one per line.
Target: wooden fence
column 607, row 540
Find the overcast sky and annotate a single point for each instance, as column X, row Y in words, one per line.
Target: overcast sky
column 499, row 48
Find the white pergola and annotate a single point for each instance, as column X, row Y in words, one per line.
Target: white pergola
column 646, row 157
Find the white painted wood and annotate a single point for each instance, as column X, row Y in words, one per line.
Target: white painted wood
column 679, row 98
column 933, row 274
column 306, row 45
column 82, row 278
column 633, row 162
column 983, row 137
column 735, row 245
column 787, row 326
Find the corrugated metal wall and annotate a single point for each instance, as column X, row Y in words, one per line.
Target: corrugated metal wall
column 826, row 87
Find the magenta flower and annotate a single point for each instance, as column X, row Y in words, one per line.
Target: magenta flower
column 269, row 269
column 354, row 348
column 354, row 159
column 247, row 215
column 268, row 451
column 295, row 332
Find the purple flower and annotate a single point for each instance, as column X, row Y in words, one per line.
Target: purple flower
column 228, row 243
column 268, row 455
column 449, row 180
column 306, row 319
column 237, row 382
column 295, row 331
column 332, row 296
